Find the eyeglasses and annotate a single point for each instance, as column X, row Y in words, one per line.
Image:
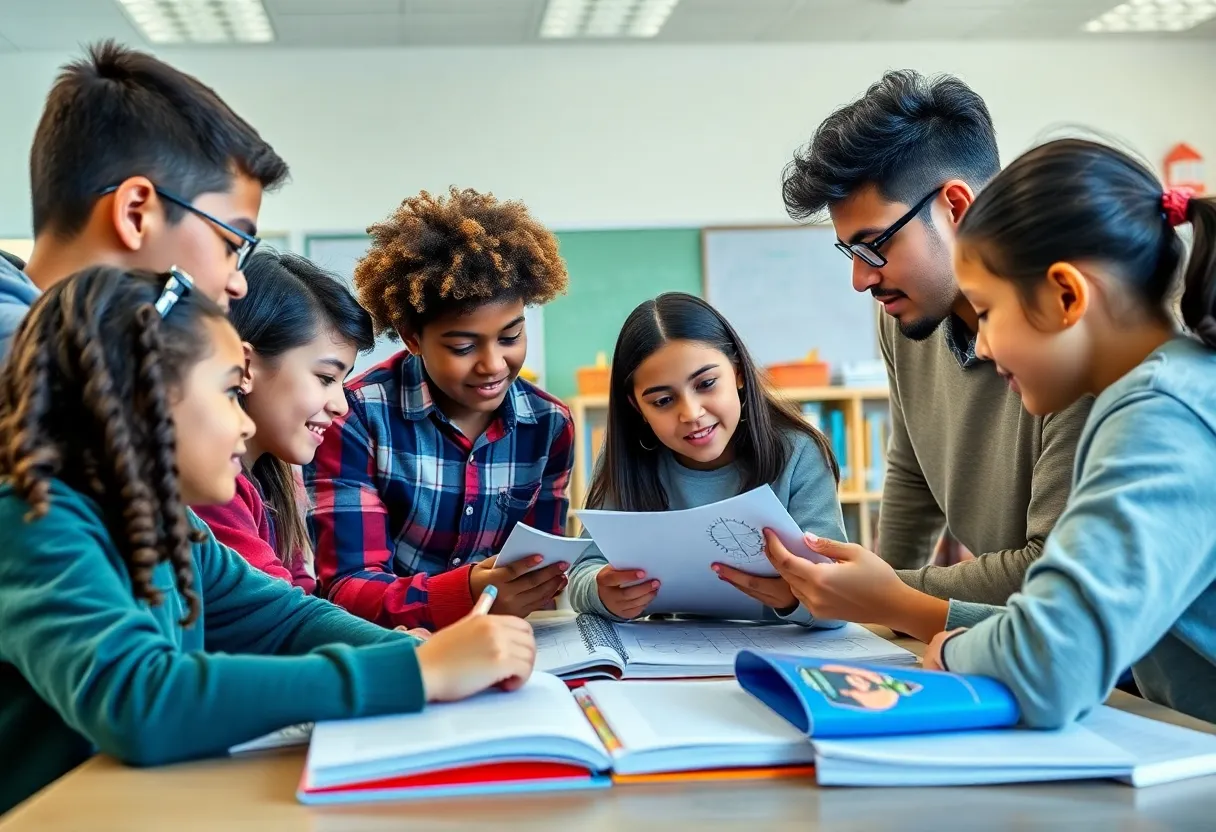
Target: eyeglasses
column 869, row 251
column 177, row 287
column 248, row 241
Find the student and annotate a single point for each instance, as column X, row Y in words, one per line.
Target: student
column 301, row 330
column 1070, row 258
column 896, row 170
column 124, row 627
column 138, row 165
column 690, row 423
column 445, row 448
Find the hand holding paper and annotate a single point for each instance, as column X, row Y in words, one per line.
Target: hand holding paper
column 522, row 589
column 857, row 585
column 624, row 592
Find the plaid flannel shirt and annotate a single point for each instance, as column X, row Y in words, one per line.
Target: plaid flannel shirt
column 403, row 503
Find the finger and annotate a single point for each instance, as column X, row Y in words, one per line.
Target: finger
column 532, row 599
column 609, row 577
column 632, row 594
column 509, row 572
column 749, row 588
column 779, row 556
column 534, row 579
column 833, row 549
column 512, row 624
column 636, row 609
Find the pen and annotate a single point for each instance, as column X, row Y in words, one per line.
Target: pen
column 486, row 600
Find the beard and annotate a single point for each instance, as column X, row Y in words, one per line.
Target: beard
column 920, row 329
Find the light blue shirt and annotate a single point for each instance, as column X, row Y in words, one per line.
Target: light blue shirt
column 806, row 488
column 17, row 292
column 1128, row 575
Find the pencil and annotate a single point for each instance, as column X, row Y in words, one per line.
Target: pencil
column 486, row 600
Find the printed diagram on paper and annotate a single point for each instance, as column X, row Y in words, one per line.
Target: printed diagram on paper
column 725, row 640
column 740, row 541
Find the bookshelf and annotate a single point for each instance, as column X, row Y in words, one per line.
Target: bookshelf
column 858, row 433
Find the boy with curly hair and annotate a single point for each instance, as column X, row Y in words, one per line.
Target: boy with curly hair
column 444, row 448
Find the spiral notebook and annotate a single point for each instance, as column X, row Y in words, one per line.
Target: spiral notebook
column 592, row 647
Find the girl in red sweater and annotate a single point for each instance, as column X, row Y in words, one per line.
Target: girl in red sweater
column 301, row 330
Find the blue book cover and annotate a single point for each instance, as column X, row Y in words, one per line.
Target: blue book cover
column 827, row 698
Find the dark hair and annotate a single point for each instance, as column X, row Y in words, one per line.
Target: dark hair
column 628, row 476
column 119, row 113
column 85, row 398
column 290, row 302
column 1082, row 201
column 436, row 256
column 906, row 136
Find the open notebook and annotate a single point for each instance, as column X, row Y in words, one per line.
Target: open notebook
column 541, row 738
column 591, row 647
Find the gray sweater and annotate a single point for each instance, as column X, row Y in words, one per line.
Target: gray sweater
column 1128, row 575
column 806, row 488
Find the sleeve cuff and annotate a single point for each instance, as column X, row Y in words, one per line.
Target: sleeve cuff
column 803, row 617
column 448, row 596
column 392, row 677
column 950, row 640
column 967, row 614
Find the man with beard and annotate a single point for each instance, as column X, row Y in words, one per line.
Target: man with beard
column 896, row 170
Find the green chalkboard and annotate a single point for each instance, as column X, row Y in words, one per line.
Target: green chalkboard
column 611, row 272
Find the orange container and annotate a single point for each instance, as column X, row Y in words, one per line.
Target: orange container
column 808, row 373
column 594, row 381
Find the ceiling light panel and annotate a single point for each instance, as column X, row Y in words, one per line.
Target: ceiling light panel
column 1153, row 16
column 605, row 18
column 200, row 21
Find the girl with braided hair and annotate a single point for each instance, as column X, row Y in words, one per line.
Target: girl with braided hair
column 124, row 626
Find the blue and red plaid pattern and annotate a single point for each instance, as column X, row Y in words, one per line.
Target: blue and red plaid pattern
column 402, row 503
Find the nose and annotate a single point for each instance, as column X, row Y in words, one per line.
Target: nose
column 237, row 286
column 491, row 363
column 248, row 428
column 865, row 276
column 981, row 346
column 690, row 409
column 337, row 406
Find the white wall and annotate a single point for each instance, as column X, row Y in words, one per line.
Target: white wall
column 612, row 136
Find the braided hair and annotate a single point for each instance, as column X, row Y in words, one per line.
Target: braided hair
column 85, row 398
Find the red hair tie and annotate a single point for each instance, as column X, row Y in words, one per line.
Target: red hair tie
column 1174, row 203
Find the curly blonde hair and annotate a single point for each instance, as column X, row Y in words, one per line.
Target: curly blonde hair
column 437, row 255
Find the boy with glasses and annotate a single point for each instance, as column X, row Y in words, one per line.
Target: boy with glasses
column 137, row 165
column 895, row 171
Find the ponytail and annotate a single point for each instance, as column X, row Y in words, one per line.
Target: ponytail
column 1199, row 281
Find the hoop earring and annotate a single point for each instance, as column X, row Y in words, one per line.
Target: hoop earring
column 644, row 448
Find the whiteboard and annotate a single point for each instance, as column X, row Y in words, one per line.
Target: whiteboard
column 788, row 291
column 340, row 252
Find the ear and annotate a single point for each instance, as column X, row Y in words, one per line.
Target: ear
column 135, row 212
column 247, row 373
column 1066, row 295
column 738, row 376
column 958, row 196
column 412, row 342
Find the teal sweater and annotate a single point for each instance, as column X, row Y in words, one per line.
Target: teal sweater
column 806, row 488
column 84, row 667
column 1128, row 574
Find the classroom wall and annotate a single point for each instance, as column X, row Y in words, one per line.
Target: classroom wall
column 618, row 136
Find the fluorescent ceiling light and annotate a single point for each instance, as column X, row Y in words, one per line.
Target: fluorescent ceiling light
column 1153, row 16
column 200, row 21
column 606, row 18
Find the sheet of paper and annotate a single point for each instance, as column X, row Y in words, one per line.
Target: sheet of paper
column 969, row 757
column 1163, row 752
column 292, row 735
column 707, row 644
column 679, row 547
column 525, row 541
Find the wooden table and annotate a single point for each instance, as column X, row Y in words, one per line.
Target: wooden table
column 258, row 793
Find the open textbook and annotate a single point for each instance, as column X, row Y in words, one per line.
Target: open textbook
column 590, row 647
